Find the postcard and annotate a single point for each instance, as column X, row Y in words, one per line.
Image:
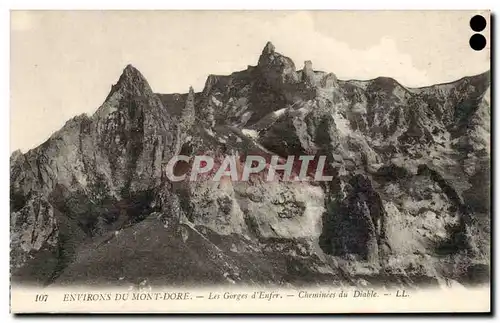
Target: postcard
column 250, row 161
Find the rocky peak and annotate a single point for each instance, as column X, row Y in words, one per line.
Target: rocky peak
column 268, row 49
column 188, row 113
column 130, row 73
column 268, row 55
column 276, row 68
column 133, row 82
column 131, row 86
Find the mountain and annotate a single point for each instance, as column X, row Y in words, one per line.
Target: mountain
column 408, row 205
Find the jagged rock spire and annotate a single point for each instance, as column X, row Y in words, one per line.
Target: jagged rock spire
column 276, row 68
column 308, row 73
column 133, row 81
column 188, row 113
column 268, row 49
column 191, row 93
column 189, row 108
column 130, row 73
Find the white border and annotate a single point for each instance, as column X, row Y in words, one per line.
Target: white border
column 255, row 4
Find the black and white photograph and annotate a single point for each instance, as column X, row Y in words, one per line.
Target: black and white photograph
column 267, row 157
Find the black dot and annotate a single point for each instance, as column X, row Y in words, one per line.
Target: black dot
column 477, row 42
column 478, row 23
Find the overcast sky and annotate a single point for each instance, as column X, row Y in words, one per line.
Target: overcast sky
column 64, row 63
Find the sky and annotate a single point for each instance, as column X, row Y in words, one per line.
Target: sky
column 63, row 63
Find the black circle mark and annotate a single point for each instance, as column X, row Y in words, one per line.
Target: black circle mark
column 478, row 23
column 477, row 42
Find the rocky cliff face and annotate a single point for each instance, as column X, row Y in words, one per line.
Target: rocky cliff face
column 408, row 204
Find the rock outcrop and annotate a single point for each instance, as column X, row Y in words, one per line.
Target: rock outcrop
column 408, row 203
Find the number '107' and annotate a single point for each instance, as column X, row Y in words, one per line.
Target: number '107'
column 41, row 298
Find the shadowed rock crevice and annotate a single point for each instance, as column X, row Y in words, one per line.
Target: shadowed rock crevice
column 354, row 224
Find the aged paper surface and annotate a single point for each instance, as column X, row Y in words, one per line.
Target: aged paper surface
column 250, row 161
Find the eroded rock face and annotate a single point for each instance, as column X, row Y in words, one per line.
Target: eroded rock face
column 408, row 203
column 277, row 210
